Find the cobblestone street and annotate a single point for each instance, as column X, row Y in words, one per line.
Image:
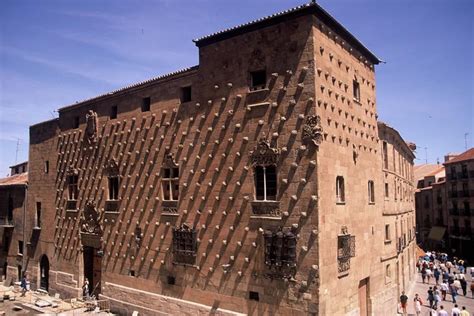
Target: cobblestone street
column 422, row 289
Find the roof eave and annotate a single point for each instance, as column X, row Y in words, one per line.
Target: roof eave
column 309, row 8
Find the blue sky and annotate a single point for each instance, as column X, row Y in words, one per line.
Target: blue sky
column 54, row 53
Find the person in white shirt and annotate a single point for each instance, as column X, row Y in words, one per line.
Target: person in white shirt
column 442, row 312
column 455, row 311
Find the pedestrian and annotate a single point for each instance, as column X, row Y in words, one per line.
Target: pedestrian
column 444, row 290
column 417, row 304
column 431, row 297
column 455, row 311
column 23, row 284
column 442, row 312
column 429, row 273
column 85, row 289
column 463, row 286
column 423, row 274
column 453, row 293
column 436, row 274
column 464, row 312
column 457, row 284
column 449, row 265
column 403, row 302
column 437, row 297
column 472, row 288
column 445, row 276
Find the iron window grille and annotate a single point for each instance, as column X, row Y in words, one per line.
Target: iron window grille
column 345, row 251
column 184, row 244
column 280, row 253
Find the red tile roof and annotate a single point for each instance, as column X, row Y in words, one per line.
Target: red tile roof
column 467, row 155
column 15, row 180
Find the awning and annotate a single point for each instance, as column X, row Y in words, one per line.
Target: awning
column 437, row 233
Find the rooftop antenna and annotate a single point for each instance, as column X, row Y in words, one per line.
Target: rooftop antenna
column 465, row 140
column 426, row 155
column 17, row 149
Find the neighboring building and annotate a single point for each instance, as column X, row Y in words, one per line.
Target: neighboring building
column 251, row 183
column 460, row 202
column 397, row 194
column 12, row 210
column 431, row 210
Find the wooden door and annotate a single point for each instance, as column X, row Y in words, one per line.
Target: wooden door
column 363, row 297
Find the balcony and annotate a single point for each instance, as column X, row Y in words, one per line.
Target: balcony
column 461, row 233
column 464, row 193
column 6, row 222
column 453, row 194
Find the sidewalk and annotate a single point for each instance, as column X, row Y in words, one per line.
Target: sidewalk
column 422, row 290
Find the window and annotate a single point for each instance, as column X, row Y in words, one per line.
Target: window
column 280, row 249
column 171, row 280
column 340, row 194
column 146, row 104
column 371, row 191
column 75, row 122
column 113, row 188
column 170, row 184
column 185, row 94
column 387, row 191
column 388, row 272
column 38, row 215
column 453, row 172
column 387, row 232
column 356, row 90
column 467, row 206
column 46, row 166
column 345, row 251
column 464, row 171
column 20, row 247
column 258, row 80
column 184, row 244
column 113, row 112
column 265, row 183
column 385, row 155
column 131, row 273
column 72, row 187
column 253, row 296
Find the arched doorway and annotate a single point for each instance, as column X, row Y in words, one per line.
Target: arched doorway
column 44, row 273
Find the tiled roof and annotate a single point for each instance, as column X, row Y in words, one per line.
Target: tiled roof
column 15, row 180
column 467, row 155
column 308, row 8
column 165, row 76
column 421, row 171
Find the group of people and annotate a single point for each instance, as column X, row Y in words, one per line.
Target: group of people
column 449, row 278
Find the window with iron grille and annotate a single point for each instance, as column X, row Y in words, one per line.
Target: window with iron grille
column 345, row 251
column 184, row 244
column 280, row 252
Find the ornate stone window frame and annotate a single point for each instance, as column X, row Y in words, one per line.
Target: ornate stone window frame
column 72, row 183
column 112, row 172
column 263, row 156
column 169, row 206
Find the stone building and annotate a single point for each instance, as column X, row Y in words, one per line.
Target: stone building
column 251, row 183
column 397, row 186
column 444, row 199
column 431, row 206
column 12, row 210
column 460, row 202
